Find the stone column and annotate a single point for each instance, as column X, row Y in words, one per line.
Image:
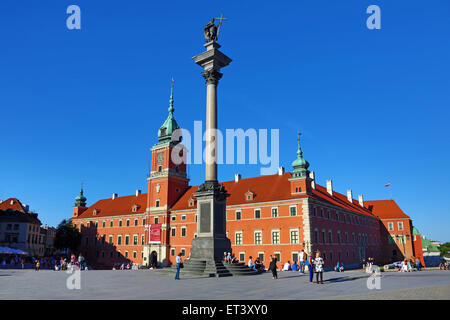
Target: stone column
column 212, row 80
column 211, row 241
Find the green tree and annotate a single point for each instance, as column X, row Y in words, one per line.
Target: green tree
column 445, row 248
column 67, row 236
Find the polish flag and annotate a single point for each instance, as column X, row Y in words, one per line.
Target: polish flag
column 388, row 184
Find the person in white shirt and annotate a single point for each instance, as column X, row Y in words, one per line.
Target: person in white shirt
column 178, row 260
column 250, row 264
column 303, row 257
column 287, row 266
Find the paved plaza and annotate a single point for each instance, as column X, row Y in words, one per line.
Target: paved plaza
column 150, row 284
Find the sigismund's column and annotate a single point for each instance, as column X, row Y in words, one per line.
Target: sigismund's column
column 211, row 241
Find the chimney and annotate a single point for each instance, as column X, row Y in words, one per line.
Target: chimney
column 138, row 192
column 330, row 187
column 1, row 201
column 114, row 195
column 237, row 177
column 11, row 202
column 361, row 200
column 26, row 207
column 280, row 171
column 350, row 195
column 312, row 176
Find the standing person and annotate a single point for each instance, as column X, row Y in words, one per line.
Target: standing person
column 38, row 265
column 417, row 264
column 303, row 259
column 318, row 263
column 311, row 268
column 80, row 261
column 178, row 259
column 273, row 268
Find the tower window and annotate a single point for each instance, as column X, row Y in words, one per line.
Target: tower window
column 159, row 168
column 157, row 203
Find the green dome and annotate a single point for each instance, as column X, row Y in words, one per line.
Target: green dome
column 170, row 125
column 300, row 165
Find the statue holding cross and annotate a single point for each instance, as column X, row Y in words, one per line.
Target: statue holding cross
column 211, row 31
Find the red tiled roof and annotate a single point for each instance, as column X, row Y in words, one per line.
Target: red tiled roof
column 12, row 204
column 272, row 188
column 264, row 189
column 386, row 209
column 118, row 206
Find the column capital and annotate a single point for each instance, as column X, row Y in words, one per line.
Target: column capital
column 212, row 76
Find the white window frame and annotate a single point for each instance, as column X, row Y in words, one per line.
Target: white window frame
column 298, row 235
column 254, row 236
column 272, row 238
column 296, row 211
column 236, row 233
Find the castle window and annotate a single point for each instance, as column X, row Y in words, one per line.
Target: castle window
column 258, row 237
column 156, row 220
column 238, row 215
column 390, row 226
column 157, row 203
column 111, row 223
column 257, row 214
column 128, row 222
column 183, row 217
column 159, row 168
column 294, row 236
column 238, row 237
column 276, row 237
column 274, row 212
column 293, row 211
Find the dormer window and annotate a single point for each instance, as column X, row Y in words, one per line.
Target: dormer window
column 135, row 207
column 249, row 195
column 191, row 202
column 95, row 212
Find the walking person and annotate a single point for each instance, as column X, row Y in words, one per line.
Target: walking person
column 273, row 268
column 311, row 268
column 318, row 263
column 178, row 259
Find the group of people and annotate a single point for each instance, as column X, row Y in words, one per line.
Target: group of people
column 124, row 266
column 444, row 265
column 407, row 265
column 315, row 266
column 257, row 265
column 75, row 262
column 229, row 258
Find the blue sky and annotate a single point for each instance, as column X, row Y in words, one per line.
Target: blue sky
column 85, row 105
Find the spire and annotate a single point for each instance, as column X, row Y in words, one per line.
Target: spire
column 80, row 201
column 300, row 165
column 170, row 125
column 171, row 109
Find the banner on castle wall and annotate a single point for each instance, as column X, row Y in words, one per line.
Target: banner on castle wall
column 154, row 233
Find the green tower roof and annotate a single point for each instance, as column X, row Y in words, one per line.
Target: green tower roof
column 300, row 165
column 80, row 201
column 170, row 125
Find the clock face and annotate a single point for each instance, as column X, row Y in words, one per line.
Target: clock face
column 160, row 158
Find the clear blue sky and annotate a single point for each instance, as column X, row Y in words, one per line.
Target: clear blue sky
column 85, row 105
